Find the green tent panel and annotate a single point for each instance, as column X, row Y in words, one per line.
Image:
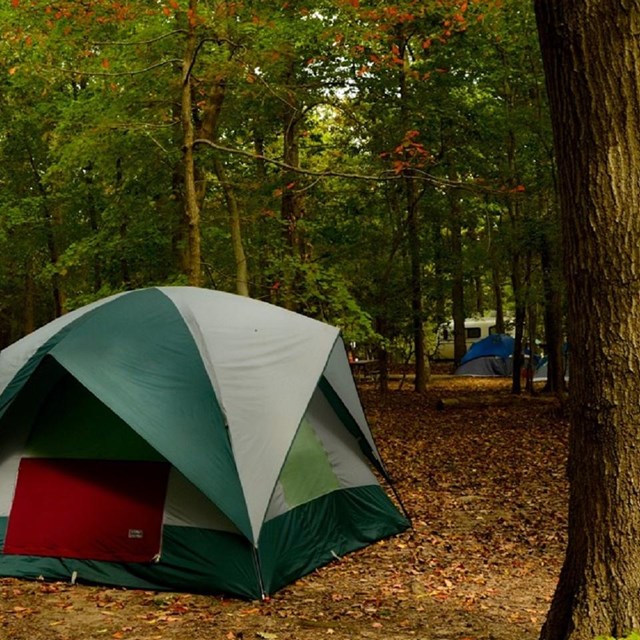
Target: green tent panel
column 184, row 439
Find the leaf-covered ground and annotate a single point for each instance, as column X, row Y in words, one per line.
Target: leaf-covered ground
column 483, row 479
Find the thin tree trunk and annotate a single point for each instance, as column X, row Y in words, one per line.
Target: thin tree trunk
column 29, row 321
column 496, row 280
column 209, row 131
column 532, row 322
column 414, row 239
column 413, row 232
column 123, row 230
column 264, row 251
column 552, row 318
column 180, row 223
column 242, row 275
column 292, row 203
column 94, row 225
column 592, row 63
column 520, row 316
column 384, row 303
column 457, row 286
column 479, row 297
column 439, row 272
column 192, row 207
column 52, row 220
column 383, row 357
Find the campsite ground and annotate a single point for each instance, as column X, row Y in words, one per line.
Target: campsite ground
column 483, row 479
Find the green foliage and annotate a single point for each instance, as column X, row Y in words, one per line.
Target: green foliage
column 322, row 293
column 91, row 183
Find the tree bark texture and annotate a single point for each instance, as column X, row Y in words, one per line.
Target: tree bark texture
column 192, row 207
column 235, row 224
column 209, row 131
column 591, row 55
column 292, row 204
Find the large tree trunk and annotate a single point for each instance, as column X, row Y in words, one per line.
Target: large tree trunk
column 592, row 61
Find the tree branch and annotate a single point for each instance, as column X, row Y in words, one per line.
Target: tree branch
column 288, row 167
column 113, row 74
column 385, row 176
column 115, row 43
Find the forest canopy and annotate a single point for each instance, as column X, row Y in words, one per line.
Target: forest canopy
column 379, row 167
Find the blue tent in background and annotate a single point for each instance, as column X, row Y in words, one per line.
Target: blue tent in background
column 491, row 356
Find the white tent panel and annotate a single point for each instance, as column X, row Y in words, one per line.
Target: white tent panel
column 267, row 362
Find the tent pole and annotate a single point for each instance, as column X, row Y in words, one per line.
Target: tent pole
column 256, row 561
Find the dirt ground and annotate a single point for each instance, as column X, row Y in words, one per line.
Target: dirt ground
column 483, row 478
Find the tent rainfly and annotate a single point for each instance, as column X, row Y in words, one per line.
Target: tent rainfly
column 491, row 356
column 184, row 439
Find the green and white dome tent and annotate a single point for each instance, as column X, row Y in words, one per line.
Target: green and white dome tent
column 186, row 439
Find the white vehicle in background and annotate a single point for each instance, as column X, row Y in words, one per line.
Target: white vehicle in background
column 475, row 329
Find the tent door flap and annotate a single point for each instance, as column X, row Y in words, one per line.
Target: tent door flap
column 107, row 510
